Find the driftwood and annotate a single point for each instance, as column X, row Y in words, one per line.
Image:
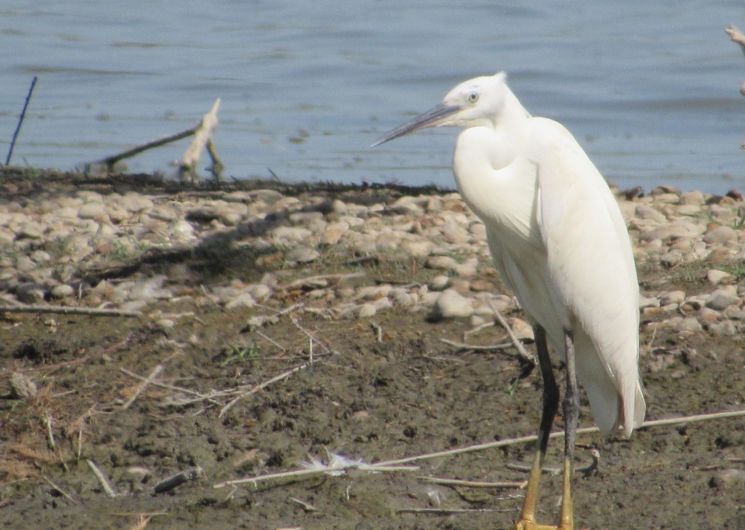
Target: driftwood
column 68, row 310
column 202, row 133
column 202, row 137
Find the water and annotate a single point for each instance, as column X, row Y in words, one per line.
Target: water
column 649, row 88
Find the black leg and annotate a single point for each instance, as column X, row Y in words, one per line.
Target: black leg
column 550, row 406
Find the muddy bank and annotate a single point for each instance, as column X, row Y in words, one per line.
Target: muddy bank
column 334, row 300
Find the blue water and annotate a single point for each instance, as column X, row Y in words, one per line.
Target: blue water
column 649, row 88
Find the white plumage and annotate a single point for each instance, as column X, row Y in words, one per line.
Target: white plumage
column 557, row 237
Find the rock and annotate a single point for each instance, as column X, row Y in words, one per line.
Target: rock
column 182, row 231
column 716, row 276
column 723, row 298
column 728, row 478
column 643, row 211
column 339, row 207
column 687, row 325
column 30, row 293
column 521, row 329
column 244, row 299
column 334, row 232
column 367, row 310
column 93, row 210
column 406, row 205
column 30, row 230
column 455, row 233
column 645, row 302
column 672, row 297
column 134, row 202
column 417, row 249
column 22, row 385
column 672, row 258
column 692, row 197
column 467, row 269
column 62, row 291
column 673, row 230
column 451, row 304
column 726, row 328
column 294, row 234
column 260, row 292
column 720, row 234
column 302, row 254
column 708, row 315
column 442, row 262
column 439, row 282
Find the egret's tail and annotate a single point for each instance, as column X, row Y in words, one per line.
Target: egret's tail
column 616, row 400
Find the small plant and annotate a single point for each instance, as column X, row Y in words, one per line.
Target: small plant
column 241, row 355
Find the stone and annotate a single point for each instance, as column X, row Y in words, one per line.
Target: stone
column 334, row 232
column 302, row 254
column 645, row 302
column 30, row 230
column 672, row 297
column 439, row 282
column 467, row 269
column 672, row 258
column 62, row 291
column 643, row 211
column 725, row 328
column 723, row 298
column 521, row 329
column 243, row 299
column 442, row 262
column 717, row 277
column 417, row 249
column 688, row 325
column 720, row 234
column 451, row 304
column 293, row 234
column 93, row 210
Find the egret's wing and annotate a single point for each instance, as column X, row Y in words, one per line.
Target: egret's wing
column 591, row 264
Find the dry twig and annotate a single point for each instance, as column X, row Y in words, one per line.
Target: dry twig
column 261, row 386
column 102, row 479
column 451, row 511
column 473, row 483
column 149, row 379
column 462, row 346
column 60, row 490
column 522, row 352
column 67, row 310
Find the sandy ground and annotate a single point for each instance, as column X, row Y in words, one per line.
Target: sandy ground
column 375, row 390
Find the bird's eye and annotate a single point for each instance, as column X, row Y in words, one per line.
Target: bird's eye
column 473, row 97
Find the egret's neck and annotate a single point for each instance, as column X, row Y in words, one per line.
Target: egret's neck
column 490, row 166
column 512, row 118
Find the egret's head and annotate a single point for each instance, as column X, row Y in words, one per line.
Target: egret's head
column 471, row 103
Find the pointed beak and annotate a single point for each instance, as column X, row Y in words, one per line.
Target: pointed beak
column 431, row 118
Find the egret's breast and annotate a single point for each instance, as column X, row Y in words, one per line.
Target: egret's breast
column 497, row 183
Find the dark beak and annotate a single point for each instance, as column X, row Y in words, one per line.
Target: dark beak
column 431, row 118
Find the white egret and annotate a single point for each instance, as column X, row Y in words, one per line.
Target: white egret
column 558, row 239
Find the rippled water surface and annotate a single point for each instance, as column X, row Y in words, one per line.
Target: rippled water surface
column 649, row 88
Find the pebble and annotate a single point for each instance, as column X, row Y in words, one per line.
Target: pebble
column 52, row 237
column 716, row 277
column 723, row 298
column 451, row 304
column 62, row 291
